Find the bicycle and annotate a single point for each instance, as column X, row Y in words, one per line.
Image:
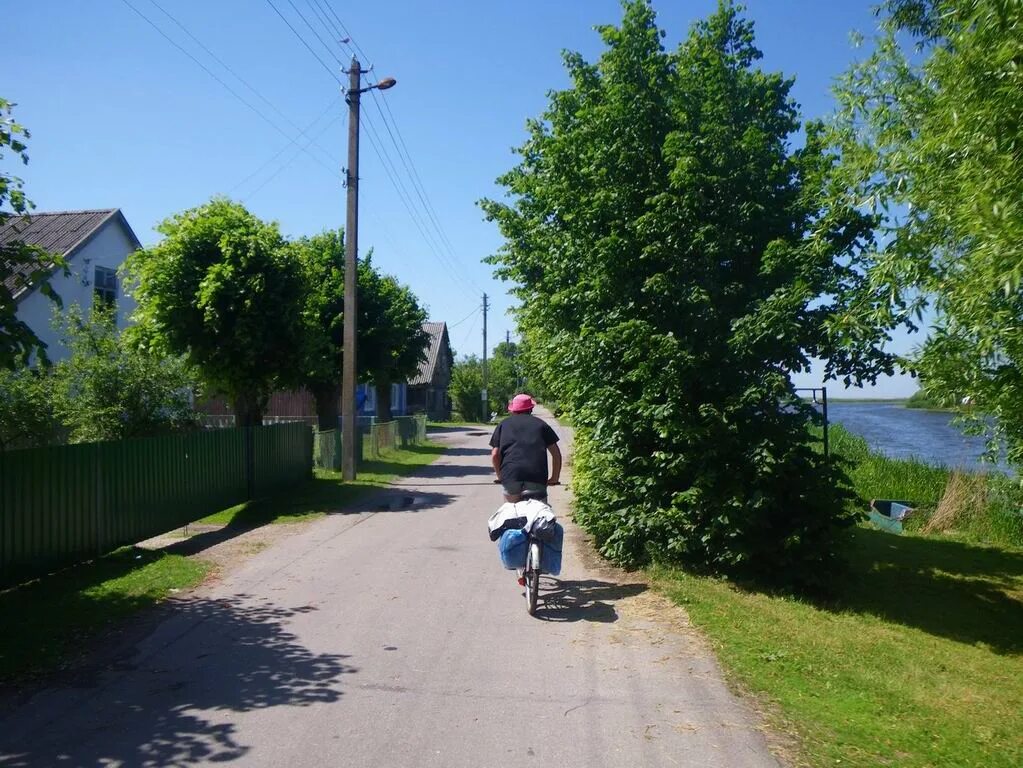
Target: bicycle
column 534, row 558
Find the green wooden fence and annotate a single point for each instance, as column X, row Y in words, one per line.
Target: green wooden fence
column 65, row 504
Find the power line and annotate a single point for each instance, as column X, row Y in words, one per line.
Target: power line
column 212, row 74
column 326, row 66
column 341, row 38
column 287, row 146
column 406, row 202
column 347, row 33
column 436, row 242
column 238, row 77
column 416, row 183
column 471, row 328
column 330, row 50
column 455, row 325
column 290, row 160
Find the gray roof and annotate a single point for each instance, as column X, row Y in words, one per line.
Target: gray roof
column 438, row 342
column 60, row 232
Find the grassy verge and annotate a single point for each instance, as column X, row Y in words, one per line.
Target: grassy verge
column 917, row 661
column 325, row 492
column 48, row 619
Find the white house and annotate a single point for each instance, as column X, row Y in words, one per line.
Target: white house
column 94, row 244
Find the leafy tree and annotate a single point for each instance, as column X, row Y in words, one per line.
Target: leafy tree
column 224, row 291
column 109, row 389
column 391, row 341
column 503, row 376
column 465, row 387
column 27, row 419
column 930, row 127
column 21, row 265
column 676, row 263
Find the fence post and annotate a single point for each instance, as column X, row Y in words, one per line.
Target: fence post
column 250, row 462
column 824, row 408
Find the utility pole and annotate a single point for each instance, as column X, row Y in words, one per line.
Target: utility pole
column 484, row 395
column 507, row 337
column 348, row 371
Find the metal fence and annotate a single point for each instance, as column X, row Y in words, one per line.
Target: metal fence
column 402, row 432
column 375, row 440
column 68, row 503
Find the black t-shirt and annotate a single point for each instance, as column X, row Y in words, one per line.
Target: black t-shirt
column 523, row 440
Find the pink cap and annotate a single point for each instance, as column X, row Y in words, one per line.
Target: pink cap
column 521, row 404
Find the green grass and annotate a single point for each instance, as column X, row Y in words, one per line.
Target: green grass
column 873, row 476
column 326, row 492
column 918, row 659
column 917, row 663
column 49, row 619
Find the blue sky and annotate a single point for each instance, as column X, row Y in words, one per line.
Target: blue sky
column 121, row 118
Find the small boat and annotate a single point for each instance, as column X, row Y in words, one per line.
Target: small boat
column 888, row 514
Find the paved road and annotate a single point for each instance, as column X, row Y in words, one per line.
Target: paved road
column 392, row 637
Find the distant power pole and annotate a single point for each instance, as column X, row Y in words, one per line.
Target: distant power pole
column 483, row 395
column 507, row 337
column 348, row 372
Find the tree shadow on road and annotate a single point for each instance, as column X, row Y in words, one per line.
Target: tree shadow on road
column 589, row 600
column 176, row 706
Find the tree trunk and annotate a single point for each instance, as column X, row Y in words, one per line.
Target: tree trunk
column 384, row 402
column 248, row 410
column 328, row 400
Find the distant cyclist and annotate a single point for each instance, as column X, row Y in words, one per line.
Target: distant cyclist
column 520, row 445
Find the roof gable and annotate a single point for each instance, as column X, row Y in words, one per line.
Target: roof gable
column 439, row 345
column 59, row 232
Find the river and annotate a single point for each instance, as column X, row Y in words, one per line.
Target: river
column 901, row 432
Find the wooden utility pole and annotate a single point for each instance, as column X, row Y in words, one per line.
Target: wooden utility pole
column 484, row 396
column 349, row 426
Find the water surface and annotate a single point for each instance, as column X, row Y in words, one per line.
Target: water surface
column 902, row 433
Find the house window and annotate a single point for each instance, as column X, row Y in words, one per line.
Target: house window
column 105, row 283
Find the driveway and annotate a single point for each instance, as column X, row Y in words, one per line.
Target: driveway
column 390, row 636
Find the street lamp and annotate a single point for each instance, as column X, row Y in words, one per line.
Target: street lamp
column 348, row 371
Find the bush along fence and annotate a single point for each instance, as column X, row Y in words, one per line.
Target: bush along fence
column 376, row 440
column 65, row 504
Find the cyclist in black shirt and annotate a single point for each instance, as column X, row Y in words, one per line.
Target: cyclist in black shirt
column 520, row 445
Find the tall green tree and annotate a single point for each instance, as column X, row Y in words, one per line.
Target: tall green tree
column 676, row 263
column 391, row 340
column 930, row 129
column 395, row 344
column 21, row 265
column 503, row 376
column 224, row 291
column 465, row 388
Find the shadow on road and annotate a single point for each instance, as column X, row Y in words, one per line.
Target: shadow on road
column 589, row 600
column 230, row 656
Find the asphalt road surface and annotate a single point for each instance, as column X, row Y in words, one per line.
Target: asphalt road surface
column 390, row 636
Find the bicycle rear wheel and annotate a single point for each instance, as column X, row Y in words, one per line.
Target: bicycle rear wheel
column 532, row 577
